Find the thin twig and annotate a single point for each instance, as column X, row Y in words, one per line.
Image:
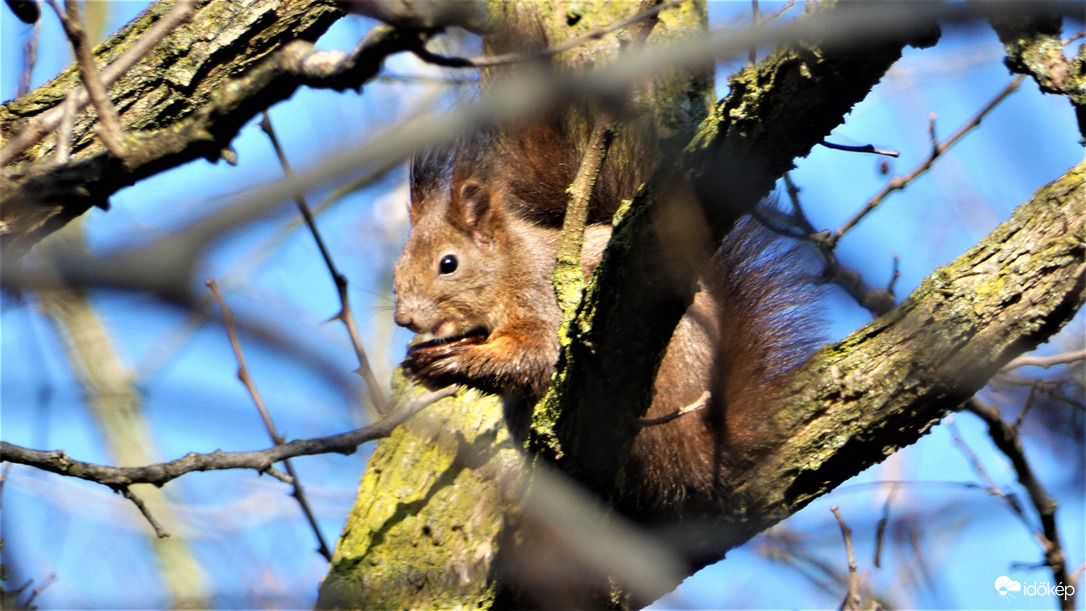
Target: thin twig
column 1030, row 402
column 880, row 528
column 109, row 122
column 277, row 439
column 931, row 133
column 69, row 107
column 58, row 462
column 1028, row 360
column 1006, row 438
column 160, row 532
column 30, row 59
column 866, row 148
column 899, row 182
column 510, row 58
column 1078, row 572
column 777, row 13
column 895, row 274
column 47, row 122
column 698, row 403
column 34, row 593
column 796, row 225
column 345, row 315
column 852, row 598
column 755, row 20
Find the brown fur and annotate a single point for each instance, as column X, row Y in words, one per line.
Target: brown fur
column 495, row 201
column 740, row 337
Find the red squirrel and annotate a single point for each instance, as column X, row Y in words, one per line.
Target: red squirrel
column 475, row 274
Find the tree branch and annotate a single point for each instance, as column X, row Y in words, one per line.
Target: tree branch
column 589, row 417
column 180, row 125
column 58, row 462
column 881, row 388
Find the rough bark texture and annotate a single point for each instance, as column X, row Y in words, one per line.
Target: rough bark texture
column 431, row 515
column 855, row 402
column 777, row 111
column 173, row 104
column 358, row 577
column 425, row 524
column 880, row 389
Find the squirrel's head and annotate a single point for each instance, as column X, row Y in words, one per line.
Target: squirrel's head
column 449, row 274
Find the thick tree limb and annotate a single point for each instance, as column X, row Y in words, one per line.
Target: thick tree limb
column 858, row 401
column 181, row 103
column 776, row 112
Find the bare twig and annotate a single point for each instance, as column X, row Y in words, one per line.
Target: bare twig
column 277, row 439
column 69, row 107
column 698, row 403
column 345, row 315
column 777, row 13
column 109, row 122
column 34, row 592
column 1078, row 572
column 866, row 148
column 895, row 275
column 30, row 59
column 160, row 532
column 899, row 182
column 978, row 468
column 880, row 529
column 1026, row 407
column 344, row 443
column 852, row 598
column 1028, row 360
column 568, row 278
column 931, row 133
column 49, row 121
column 796, row 225
column 1007, row 440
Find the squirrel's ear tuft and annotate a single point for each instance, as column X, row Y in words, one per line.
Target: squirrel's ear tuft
column 473, row 211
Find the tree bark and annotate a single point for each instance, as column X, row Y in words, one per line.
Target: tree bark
column 186, row 99
column 440, row 506
column 852, row 404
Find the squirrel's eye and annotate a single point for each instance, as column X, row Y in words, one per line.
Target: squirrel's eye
column 448, row 264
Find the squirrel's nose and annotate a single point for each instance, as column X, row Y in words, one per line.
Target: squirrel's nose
column 407, row 317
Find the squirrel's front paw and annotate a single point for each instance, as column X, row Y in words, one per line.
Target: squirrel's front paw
column 438, row 365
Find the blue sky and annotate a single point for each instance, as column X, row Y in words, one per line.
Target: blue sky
column 247, row 534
